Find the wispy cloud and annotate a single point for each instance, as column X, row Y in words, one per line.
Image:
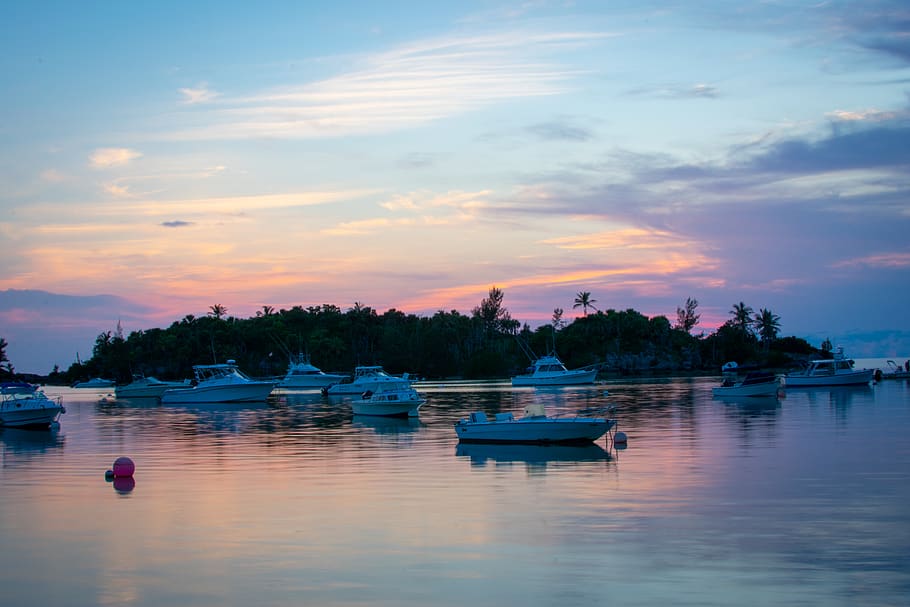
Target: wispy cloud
column 118, row 191
column 401, row 88
column 881, row 260
column 200, row 94
column 105, row 158
column 176, row 224
column 562, row 129
column 869, row 115
column 677, row 91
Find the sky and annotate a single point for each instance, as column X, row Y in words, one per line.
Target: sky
column 159, row 158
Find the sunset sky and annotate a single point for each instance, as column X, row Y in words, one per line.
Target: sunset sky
column 158, row 158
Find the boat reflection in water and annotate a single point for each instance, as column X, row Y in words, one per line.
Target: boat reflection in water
column 535, row 456
column 233, row 418
column 387, row 425
column 841, row 397
column 18, row 440
column 752, row 405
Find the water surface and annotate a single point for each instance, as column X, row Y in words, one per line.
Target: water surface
column 797, row 501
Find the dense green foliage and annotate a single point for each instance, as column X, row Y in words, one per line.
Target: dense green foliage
column 487, row 343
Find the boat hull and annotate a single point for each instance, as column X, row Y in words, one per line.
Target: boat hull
column 570, row 378
column 95, row 384
column 534, row 431
column 359, row 387
column 29, row 415
column 400, row 409
column 147, row 390
column 315, row 381
column 235, row 393
column 853, row 378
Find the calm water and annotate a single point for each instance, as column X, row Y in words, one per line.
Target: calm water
column 805, row 501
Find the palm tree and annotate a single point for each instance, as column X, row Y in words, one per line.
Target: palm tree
column 768, row 325
column 583, row 300
column 742, row 316
column 217, row 311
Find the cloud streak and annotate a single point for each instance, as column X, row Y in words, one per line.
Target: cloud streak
column 106, row 158
column 401, row 88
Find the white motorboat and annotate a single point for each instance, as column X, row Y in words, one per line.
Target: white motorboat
column 389, row 403
column 95, row 382
column 304, row 374
column 757, row 383
column 534, row 427
column 837, row 371
column 549, row 371
column 222, row 383
column 368, row 379
column 24, row 405
column 147, row 387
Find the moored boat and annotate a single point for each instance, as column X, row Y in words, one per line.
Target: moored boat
column 550, row 371
column 24, row 405
column 389, row 403
column 367, row 379
column 757, row 383
column 95, row 382
column 896, row 371
column 221, row 383
column 533, row 427
column 147, row 387
column 304, row 374
column 837, row 371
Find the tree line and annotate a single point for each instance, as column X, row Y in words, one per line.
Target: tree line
column 486, row 343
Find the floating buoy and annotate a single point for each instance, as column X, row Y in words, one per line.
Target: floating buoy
column 123, row 467
column 124, row 484
column 620, row 438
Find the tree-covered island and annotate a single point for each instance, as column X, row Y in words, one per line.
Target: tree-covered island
column 487, row 343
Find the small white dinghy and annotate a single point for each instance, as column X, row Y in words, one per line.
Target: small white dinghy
column 401, row 402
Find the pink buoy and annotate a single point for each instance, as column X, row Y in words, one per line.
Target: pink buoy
column 123, row 485
column 123, row 467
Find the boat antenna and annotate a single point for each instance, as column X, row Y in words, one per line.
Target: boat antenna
column 526, row 348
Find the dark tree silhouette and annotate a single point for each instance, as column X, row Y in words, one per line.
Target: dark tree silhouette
column 742, row 316
column 584, row 301
column 217, row 311
column 768, row 326
column 686, row 318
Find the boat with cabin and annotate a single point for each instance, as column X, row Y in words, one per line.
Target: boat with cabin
column 550, row 371
column 304, row 374
column 533, row 427
column 24, row 405
column 837, row 371
column 371, row 378
column 220, row 383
